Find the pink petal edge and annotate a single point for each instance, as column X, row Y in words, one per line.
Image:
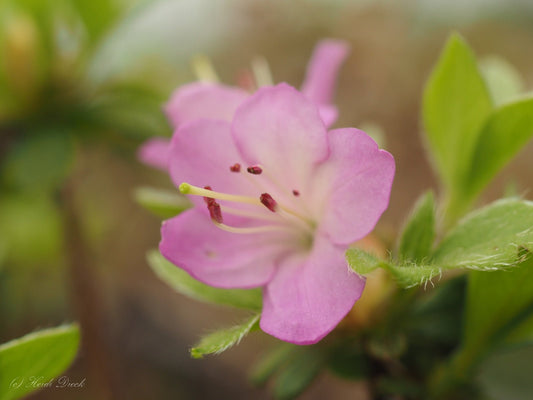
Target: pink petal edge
column 310, row 295
column 322, row 70
column 155, row 152
column 358, row 177
column 203, row 100
column 215, row 257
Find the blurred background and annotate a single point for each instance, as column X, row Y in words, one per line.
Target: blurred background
column 82, row 83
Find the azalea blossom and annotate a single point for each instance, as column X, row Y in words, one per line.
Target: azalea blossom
column 277, row 201
column 217, row 101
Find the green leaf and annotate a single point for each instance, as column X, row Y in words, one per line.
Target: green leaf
column 489, row 238
column 504, row 81
column 219, row 341
column 300, row 373
column 362, row 262
column 98, row 16
column 163, row 203
column 437, row 316
column 349, row 361
column 271, row 363
column 456, row 103
column 42, row 355
column 405, row 276
column 419, row 232
column 506, row 131
column 40, row 162
column 183, row 283
column 494, row 300
column 507, row 374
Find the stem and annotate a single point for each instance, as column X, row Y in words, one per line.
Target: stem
column 86, row 297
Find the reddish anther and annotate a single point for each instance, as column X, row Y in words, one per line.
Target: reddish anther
column 254, row 170
column 235, row 167
column 268, row 202
column 207, row 199
column 296, row 193
column 214, row 211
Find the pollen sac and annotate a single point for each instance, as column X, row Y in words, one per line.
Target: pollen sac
column 296, row 193
column 235, row 167
column 207, row 199
column 268, row 202
column 254, row 170
column 215, row 212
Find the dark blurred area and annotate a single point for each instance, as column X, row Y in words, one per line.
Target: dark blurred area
column 82, row 84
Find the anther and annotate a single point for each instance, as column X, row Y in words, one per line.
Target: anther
column 214, row 211
column 268, row 202
column 207, row 199
column 296, row 193
column 235, row 167
column 255, row 170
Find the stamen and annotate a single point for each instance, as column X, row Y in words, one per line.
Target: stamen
column 235, row 167
column 203, row 68
column 250, row 214
column 215, row 212
column 207, row 199
column 261, row 71
column 186, row 188
column 296, row 193
column 254, row 229
column 245, row 80
column 213, row 207
column 255, row 170
column 269, row 202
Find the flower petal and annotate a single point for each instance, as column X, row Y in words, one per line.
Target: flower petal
column 155, row 152
column 281, row 130
column 215, row 257
column 328, row 113
column 203, row 100
column 310, row 295
column 201, row 153
column 322, row 70
column 358, row 177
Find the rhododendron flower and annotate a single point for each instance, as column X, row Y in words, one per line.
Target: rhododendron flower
column 216, row 101
column 278, row 200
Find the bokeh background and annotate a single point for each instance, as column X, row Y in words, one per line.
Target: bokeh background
column 81, row 86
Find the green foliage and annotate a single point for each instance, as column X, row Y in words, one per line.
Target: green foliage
column 42, row 355
column 469, row 139
column 40, row 162
column 456, row 103
column 303, row 367
column 506, row 374
column 418, row 234
column 503, row 79
column 221, row 340
column 30, row 228
column 436, row 317
column 492, row 238
column 506, row 131
column 183, row 283
column 494, row 300
column 362, row 262
column 405, row 275
column 349, row 361
column 270, row 363
column 489, row 238
column 163, row 203
column 98, row 16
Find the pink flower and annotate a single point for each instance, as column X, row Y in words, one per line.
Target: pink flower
column 215, row 101
column 278, row 200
